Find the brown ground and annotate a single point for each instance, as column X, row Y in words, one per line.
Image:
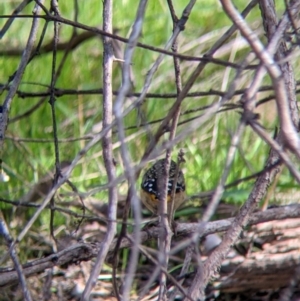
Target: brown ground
column 265, row 268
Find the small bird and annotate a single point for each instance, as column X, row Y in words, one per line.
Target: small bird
column 151, row 188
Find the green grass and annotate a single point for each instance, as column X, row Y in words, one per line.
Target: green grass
column 76, row 115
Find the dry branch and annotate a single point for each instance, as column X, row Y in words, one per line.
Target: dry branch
column 86, row 251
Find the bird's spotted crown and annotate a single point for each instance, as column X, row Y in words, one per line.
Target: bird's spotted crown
column 154, row 175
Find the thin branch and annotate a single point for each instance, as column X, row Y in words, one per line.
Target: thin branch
column 107, row 151
column 235, row 140
column 167, row 221
column 289, row 132
column 278, row 148
column 13, row 254
column 8, row 23
column 195, row 74
column 62, row 92
column 4, row 112
column 215, row 259
column 83, row 252
column 129, row 172
column 205, row 59
column 54, row 122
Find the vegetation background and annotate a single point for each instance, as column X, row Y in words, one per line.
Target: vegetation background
column 29, row 149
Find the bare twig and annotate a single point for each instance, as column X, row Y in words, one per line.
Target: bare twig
column 18, row 9
column 175, row 119
column 218, row 192
column 107, row 150
column 195, row 74
column 270, row 24
column 54, row 121
column 83, row 252
column 213, row 262
column 13, row 254
column 166, row 233
column 278, row 148
column 165, row 237
column 62, row 92
column 179, row 26
column 4, row 113
column 289, row 133
column 129, row 171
